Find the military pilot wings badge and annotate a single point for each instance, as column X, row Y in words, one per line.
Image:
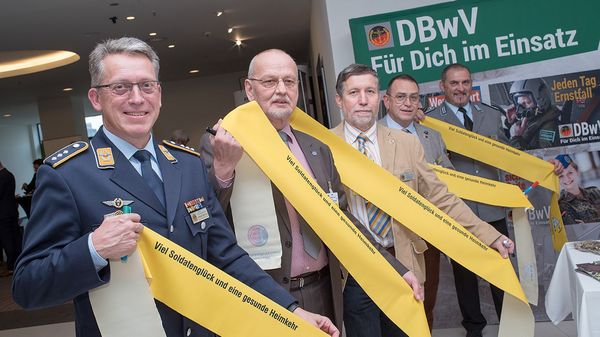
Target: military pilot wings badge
column 117, row 203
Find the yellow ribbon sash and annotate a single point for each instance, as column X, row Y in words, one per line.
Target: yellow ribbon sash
column 482, row 190
column 412, row 210
column 212, row 298
column 508, row 159
column 250, row 127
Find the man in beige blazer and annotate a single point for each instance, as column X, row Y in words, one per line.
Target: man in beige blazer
column 401, row 154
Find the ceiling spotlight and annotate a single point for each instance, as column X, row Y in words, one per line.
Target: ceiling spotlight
column 219, row 13
column 7, row 115
column 152, row 34
column 230, row 30
column 130, row 18
column 171, row 46
column 193, row 71
column 68, row 89
column 238, row 42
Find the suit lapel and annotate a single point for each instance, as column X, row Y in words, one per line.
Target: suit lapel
column 477, row 117
column 126, row 177
column 387, row 148
column 312, row 153
column 281, row 208
column 451, row 118
column 171, row 175
column 425, row 142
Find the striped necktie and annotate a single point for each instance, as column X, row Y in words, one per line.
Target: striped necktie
column 379, row 222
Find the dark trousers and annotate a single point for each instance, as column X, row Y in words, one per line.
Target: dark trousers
column 467, row 291
column 362, row 317
column 316, row 297
column 10, row 238
column 432, row 280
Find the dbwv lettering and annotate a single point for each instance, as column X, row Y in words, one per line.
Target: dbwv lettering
column 427, row 29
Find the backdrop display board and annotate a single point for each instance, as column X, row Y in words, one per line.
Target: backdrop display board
column 538, row 63
column 481, row 34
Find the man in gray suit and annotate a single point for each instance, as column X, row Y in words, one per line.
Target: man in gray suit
column 484, row 120
column 401, row 101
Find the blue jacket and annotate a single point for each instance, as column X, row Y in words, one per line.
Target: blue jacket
column 56, row 265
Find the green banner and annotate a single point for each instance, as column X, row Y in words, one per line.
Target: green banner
column 482, row 34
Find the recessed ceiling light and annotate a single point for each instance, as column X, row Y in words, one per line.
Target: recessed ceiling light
column 193, row 71
column 130, row 18
column 15, row 63
column 7, row 115
column 68, row 89
column 238, row 42
column 171, row 46
column 230, row 30
column 152, row 34
column 219, row 13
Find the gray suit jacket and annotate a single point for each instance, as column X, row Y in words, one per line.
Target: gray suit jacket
column 486, row 122
column 433, row 144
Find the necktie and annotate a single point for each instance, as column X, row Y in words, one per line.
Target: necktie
column 407, row 131
column 468, row 121
column 379, row 222
column 149, row 176
column 310, row 239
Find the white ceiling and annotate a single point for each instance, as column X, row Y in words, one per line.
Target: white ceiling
column 77, row 25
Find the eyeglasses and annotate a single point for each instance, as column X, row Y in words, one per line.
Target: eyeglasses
column 270, row 83
column 120, row 89
column 401, row 98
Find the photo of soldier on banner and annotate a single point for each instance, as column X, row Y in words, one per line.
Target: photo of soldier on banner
column 549, row 111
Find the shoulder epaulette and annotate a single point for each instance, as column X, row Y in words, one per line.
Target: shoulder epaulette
column 181, row 147
column 495, row 107
column 429, row 109
column 66, row 153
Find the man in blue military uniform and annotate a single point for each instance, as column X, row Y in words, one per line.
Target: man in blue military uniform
column 69, row 237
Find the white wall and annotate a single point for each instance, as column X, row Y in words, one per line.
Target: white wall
column 330, row 33
column 17, row 148
column 194, row 104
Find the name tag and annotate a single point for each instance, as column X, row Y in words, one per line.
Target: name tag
column 197, row 210
column 334, row 197
column 407, row 176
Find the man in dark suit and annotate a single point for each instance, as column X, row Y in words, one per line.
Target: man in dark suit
column 9, row 219
column 458, row 110
column 314, row 280
column 401, row 101
column 29, row 188
column 70, row 237
column 401, row 154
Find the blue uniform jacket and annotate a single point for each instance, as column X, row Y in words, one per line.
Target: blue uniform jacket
column 55, row 265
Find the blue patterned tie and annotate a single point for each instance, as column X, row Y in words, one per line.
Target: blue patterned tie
column 149, row 176
column 379, row 222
